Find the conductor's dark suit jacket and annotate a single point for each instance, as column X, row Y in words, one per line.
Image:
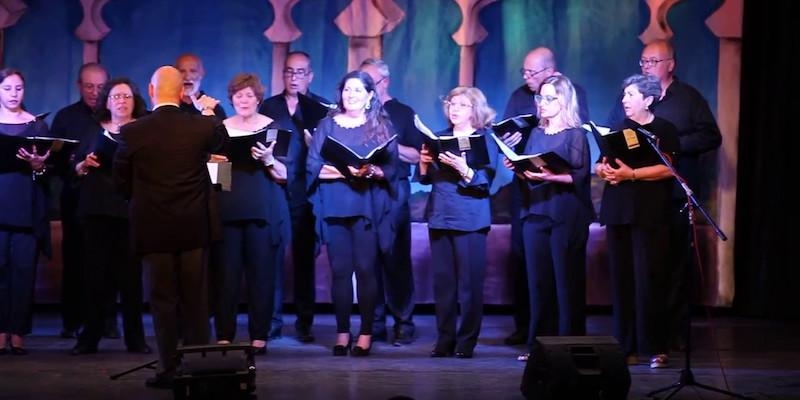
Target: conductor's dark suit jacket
column 160, row 166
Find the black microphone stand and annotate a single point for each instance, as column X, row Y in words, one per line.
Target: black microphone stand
column 149, row 365
column 687, row 376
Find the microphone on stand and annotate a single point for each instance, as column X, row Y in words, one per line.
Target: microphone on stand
column 650, row 135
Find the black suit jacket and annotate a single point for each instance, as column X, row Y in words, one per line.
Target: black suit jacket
column 160, row 165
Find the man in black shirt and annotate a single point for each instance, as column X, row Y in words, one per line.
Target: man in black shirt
column 76, row 121
column 395, row 277
column 299, row 110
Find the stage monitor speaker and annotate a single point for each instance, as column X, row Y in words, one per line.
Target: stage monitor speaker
column 576, row 367
column 215, row 372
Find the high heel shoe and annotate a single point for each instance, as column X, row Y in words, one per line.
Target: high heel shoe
column 359, row 351
column 340, row 350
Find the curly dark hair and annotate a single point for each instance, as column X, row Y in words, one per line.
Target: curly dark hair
column 101, row 111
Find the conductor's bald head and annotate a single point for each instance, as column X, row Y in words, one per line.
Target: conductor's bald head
column 166, row 85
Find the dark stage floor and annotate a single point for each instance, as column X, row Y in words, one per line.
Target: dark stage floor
column 759, row 359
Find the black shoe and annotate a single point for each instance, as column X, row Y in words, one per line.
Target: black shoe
column 18, row 351
column 359, row 351
column 159, row 382
column 274, row 333
column 379, row 335
column 342, row 350
column 81, row 349
column 304, row 335
column 68, row 334
column 259, row 351
column 464, row 353
column 111, row 332
column 141, row 349
column 516, row 338
column 3, row 351
column 441, row 351
column 402, row 337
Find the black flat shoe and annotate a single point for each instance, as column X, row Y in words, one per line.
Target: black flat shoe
column 18, row 351
column 442, row 351
column 143, row 349
column 464, row 354
column 159, row 382
column 81, row 349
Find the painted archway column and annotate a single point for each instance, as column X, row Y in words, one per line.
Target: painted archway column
column 726, row 24
column 364, row 22
column 10, row 13
column 92, row 29
column 281, row 33
column 468, row 35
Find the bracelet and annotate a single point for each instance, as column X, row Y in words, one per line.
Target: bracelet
column 633, row 178
column 371, row 172
column 465, row 175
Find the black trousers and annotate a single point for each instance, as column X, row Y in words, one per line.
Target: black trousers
column 249, row 253
column 178, row 281
column 459, row 270
column 353, row 247
column 304, row 263
column 681, row 267
column 521, row 311
column 109, row 265
column 72, row 249
column 636, row 260
column 395, row 275
column 18, row 256
column 556, row 268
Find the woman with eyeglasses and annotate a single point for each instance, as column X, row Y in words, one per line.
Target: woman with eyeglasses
column 109, row 265
column 459, row 218
column 635, row 209
column 555, row 212
column 24, row 226
column 353, row 203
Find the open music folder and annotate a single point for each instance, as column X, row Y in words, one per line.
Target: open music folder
column 627, row 145
column 341, row 156
column 473, row 146
column 534, row 162
column 9, row 145
column 239, row 145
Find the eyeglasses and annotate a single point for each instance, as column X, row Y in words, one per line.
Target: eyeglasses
column 300, row 73
column 120, row 96
column 528, row 73
column 651, row 62
column 546, row 99
column 457, row 105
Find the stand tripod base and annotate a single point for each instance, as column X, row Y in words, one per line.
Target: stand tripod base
column 687, row 379
column 150, row 365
